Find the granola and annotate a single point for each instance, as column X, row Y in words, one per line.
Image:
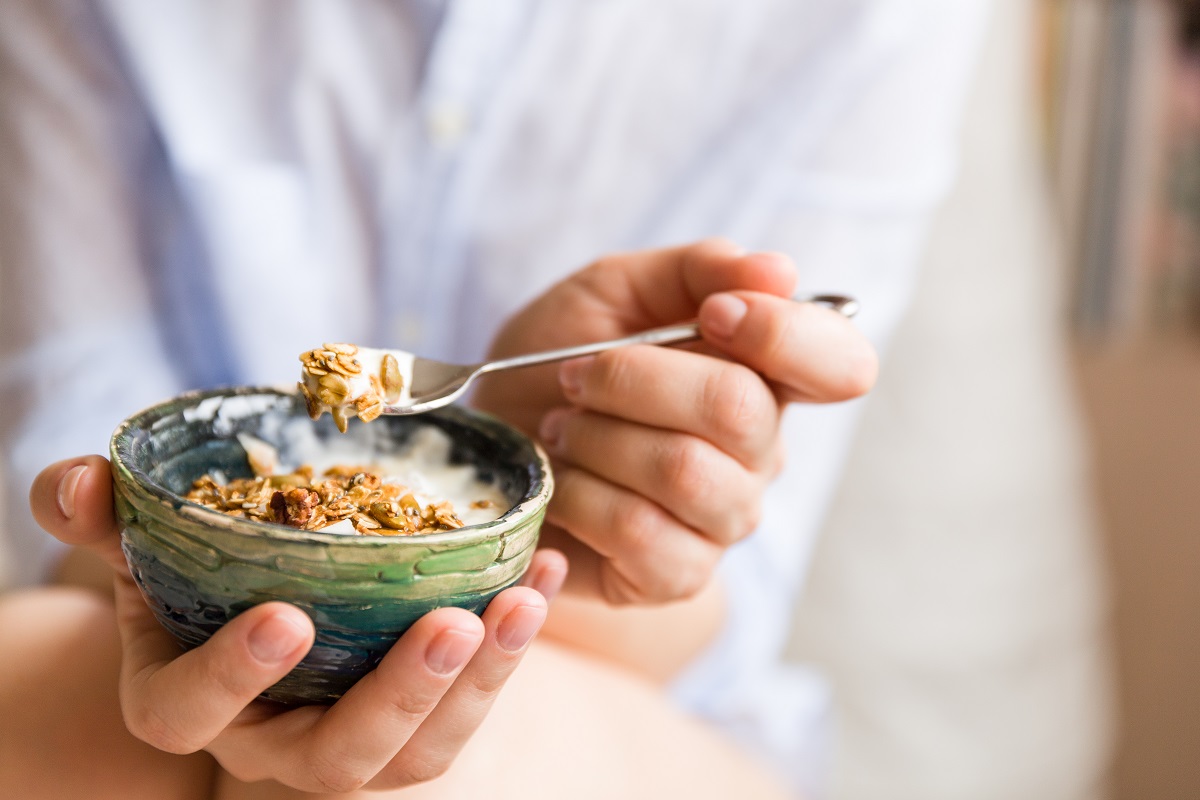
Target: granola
column 351, row 494
column 349, row 381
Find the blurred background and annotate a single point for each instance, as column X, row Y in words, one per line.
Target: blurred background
column 1006, row 596
column 1007, row 592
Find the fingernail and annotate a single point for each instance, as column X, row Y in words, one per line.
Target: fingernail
column 550, row 431
column 722, row 314
column 519, row 627
column 449, row 651
column 66, row 490
column 571, row 375
column 275, row 638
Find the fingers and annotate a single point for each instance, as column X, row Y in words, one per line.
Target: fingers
column 655, row 287
column 180, row 703
column 547, row 573
column 406, row 721
column 700, row 485
column 511, row 621
column 340, row 748
column 812, row 353
column 719, row 401
column 646, row 555
column 72, row 501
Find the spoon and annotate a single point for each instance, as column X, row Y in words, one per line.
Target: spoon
column 433, row 384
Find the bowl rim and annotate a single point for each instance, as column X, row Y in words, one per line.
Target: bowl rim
column 533, row 502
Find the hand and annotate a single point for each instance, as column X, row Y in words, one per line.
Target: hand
column 403, row 723
column 662, row 454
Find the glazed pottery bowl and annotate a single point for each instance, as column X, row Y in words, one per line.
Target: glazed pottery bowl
column 198, row 568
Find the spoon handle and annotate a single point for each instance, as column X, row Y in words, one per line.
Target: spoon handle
column 672, row 334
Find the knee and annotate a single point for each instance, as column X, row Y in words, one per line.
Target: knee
column 36, row 624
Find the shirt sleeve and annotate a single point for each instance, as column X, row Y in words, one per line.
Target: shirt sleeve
column 854, row 205
column 80, row 345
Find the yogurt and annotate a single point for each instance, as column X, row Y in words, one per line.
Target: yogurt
column 347, row 380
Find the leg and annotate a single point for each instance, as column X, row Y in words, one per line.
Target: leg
column 62, row 734
column 570, row 726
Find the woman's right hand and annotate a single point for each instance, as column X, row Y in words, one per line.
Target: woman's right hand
column 403, row 723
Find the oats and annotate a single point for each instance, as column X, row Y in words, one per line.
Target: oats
column 369, row 408
column 335, row 383
column 393, row 381
column 341, row 418
column 364, row 521
column 341, row 349
column 299, row 499
column 351, row 365
column 311, row 404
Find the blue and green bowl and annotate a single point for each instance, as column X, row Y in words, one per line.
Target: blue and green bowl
column 198, row 568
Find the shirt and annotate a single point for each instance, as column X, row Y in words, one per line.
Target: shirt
column 195, row 191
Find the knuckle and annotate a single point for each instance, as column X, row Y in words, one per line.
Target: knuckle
column 333, row 775
column 688, row 577
column 635, row 523
column 687, row 469
column 226, row 678
column 740, row 520
column 484, row 686
column 778, row 336
column 413, row 706
column 748, row 521
column 617, row 590
column 413, row 770
column 599, row 277
column 148, row 725
column 615, row 371
column 713, row 246
column 737, row 403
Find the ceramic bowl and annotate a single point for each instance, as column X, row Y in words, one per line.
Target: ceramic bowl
column 198, row 568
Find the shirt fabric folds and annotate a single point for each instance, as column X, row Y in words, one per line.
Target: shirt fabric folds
column 192, row 192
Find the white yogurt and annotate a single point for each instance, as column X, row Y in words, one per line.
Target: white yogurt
column 371, row 360
column 423, row 466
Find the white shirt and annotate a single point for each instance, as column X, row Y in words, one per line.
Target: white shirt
column 194, row 191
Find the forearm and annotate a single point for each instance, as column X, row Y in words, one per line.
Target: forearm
column 656, row 642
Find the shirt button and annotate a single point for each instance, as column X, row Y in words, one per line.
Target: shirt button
column 447, row 124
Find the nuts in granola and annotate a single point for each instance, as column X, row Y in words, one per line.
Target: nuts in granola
column 293, row 507
column 345, row 492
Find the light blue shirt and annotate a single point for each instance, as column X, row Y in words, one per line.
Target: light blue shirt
column 194, row 191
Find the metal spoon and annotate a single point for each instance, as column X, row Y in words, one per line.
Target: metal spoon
column 434, row 384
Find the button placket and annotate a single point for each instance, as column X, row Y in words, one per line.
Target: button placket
column 423, row 229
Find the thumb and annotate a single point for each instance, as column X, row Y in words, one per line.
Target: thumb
column 810, row 353
column 72, row 501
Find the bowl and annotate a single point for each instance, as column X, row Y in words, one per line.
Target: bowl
column 198, row 568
